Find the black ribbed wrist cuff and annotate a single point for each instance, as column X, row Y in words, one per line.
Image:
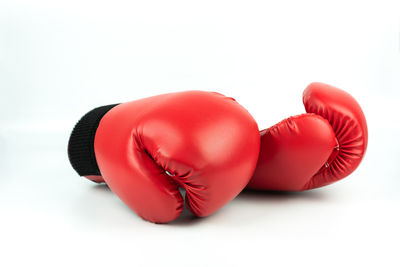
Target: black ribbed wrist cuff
column 81, row 142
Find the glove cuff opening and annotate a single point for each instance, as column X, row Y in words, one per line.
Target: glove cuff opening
column 81, row 142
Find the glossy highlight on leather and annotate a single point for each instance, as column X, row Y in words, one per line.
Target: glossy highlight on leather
column 314, row 149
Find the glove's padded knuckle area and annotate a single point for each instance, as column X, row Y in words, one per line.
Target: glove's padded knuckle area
column 203, row 142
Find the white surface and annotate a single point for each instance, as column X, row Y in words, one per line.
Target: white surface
column 60, row 59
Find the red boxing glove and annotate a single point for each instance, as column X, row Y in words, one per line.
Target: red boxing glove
column 145, row 150
column 314, row 149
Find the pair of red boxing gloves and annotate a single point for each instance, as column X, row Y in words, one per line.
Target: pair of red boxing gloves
column 209, row 145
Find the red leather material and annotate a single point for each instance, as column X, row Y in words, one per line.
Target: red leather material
column 95, row 178
column 203, row 142
column 348, row 121
column 292, row 151
column 313, row 149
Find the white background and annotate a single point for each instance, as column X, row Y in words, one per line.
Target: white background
column 60, row 59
